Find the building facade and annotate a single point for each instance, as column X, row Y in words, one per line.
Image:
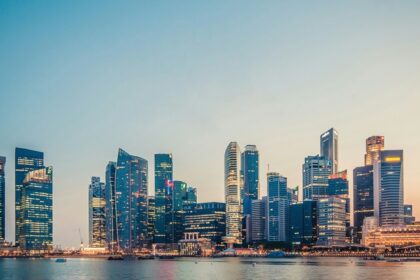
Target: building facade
column 2, row 198
column 163, row 198
column 25, row 161
column 363, row 197
column 110, row 207
column 374, row 145
column 331, row 221
column 258, row 219
column 151, row 218
column 408, row 214
column 97, row 204
column 36, row 210
column 250, row 173
column 329, row 148
column 389, row 188
column 278, row 207
column 303, row 223
column 315, row 173
column 233, row 190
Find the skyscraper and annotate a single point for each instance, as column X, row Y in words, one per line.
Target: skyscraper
column 316, row 170
column 389, row 188
column 278, row 208
column 2, row 197
column 363, row 206
column 329, row 148
column 408, row 214
column 131, row 201
column 36, row 210
column 110, row 208
column 250, row 172
column 258, row 219
column 25, row 161
column 374, row 145
column 97, row 202
column 151, row 217
column 179, row 196
column 233, row 194
column 331, row 221
column 191, row 196
column 163, row 197
column 303, row 223
column 338, row 186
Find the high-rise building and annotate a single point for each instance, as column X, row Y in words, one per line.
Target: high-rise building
column 131, row 201
column 293, row 194
column 315, row 172
column 389, row 188
column 110, row 207
column 408, row 214
column 36, row 210
column 329, row 148
column 97, row 202
column 233, row 191
column 25, row 161
column 179, row 196
column 338, row 186
column 331, row 221
column 374, row 145
column 250, row 173
column 258, row 219
column 303, row 223
column 208, row 219
column 191, row 196
column 2, row 197
column 278, row 208
column 151, row 217
column 363, row 206
column 163, row 198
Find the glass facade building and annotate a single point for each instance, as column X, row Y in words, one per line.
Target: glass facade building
column 329, row 148
column 36, row 210
column 25, row 161
column 97, row 202
column 2, row 198
column 362, row 197
column 110, row 208
column 131, row 183
column 303, row 223
column 233, row 190
column 278, row 208
column 163, row 198
column 208, row 219
column 389, row 188
column 250, row 173
column 315, row 172
column 408, row 214
column 374, row 145
column 151, row 217
column 258, row 219
column 338, row 186
column 331, row 221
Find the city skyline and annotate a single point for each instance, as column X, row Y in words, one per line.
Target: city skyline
column 188, row 79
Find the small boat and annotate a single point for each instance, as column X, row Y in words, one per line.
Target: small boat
column 61, row 260
column 115, row 258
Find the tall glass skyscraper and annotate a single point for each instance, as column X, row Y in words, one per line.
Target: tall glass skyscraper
column 374, row 145
column 303, row 223
column 250, row 173
column 110, row 208
column 233, row 189
column 258, row 219
column 97, row 202
column 331, row 221
column 36, row 210
column 2, row 197
column 163, row 198
column 131, row 201
column 151, row 217
column 329, row 148
column 338, row 186
column 389, row 188
column 362, row 196
column 25, row 161
column 278, row 208
column 315, row 172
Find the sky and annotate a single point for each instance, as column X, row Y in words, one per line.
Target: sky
column 80, row 79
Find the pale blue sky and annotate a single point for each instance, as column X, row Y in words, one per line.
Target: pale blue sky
column 79, row 79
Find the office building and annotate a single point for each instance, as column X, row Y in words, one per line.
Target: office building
column 338, row 186
column 2, row 198
column 303, row 223
column 374, row 145
column 110, row 207
column 207, row 219
column 131, row 181
column 191, row 196
column 329, row 148
column 151, row 218
column 258, row 219
column 293, row 194
column 363, row 205
column 233, row 189
column 278, row 207
column 163, row 198
column 36, row 210
column 250, row 173
column 331, row 221
column 389, row 188
column 315, row 172
column 408, row 214
column 25, row 161
column 97, row 203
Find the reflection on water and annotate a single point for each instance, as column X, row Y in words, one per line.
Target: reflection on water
column 203, row 268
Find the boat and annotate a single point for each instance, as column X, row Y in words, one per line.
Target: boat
column 115, row 258
column 61, row 260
